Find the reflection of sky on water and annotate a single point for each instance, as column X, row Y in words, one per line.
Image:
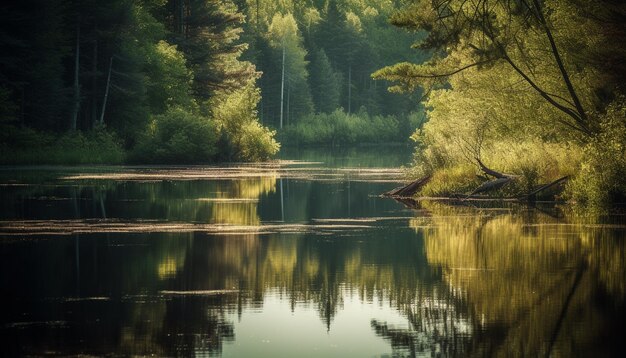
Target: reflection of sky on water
column 279, row 330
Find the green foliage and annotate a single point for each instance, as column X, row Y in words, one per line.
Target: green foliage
column 256, row 143
column 515, row 86
column 171, row 84
column 177, row 136
column 285, row 37
column 343, row 41
column 325, row 83
column 340, row 128
column 235, row 114
column 29, row 146
column 161, row 72
column 459, row 179
column 601, row 179
column 208, row 35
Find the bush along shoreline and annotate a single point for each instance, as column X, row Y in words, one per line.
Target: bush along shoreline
column 339, row 128
column 589, row 173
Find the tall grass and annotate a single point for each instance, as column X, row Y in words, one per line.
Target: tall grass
column 339, row 128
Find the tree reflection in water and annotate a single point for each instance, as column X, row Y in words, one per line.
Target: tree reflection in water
column 536, row 285
column 467, row 281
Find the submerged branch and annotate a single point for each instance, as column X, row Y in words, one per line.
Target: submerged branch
column 544, row 187
column 408, row 190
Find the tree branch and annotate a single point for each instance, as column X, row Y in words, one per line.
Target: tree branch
column 559, row 62
column 440, row 75
column 582, row 127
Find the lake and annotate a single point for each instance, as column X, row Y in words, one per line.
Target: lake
column 297, row 258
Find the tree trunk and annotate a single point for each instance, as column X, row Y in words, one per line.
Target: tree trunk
column 349, row 88
column 282, row 88
column 288, row 105
column 106, row 92
column 94, row 84
column 559, row 62
column 76, row 99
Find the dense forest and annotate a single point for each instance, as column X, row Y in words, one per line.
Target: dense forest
column 531, row 88
column 156, row 81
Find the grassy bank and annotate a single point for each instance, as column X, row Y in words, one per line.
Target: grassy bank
column 596, row 167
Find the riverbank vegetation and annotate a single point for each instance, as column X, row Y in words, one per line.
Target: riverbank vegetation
column 520, row 87
column 340, row 128
column 512, row 86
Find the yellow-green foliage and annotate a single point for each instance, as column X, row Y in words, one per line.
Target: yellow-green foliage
column 532, row 162
column 503, row 98
column 602, row 176
column 451, row 180
column 341, row 128
column 257, row 142
column 235, row 114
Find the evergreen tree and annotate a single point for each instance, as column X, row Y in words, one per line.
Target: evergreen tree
column 325, row 83
column 208, row 36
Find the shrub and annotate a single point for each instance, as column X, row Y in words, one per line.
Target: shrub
column 243, row 138
column 256, row 143
column 340, row 128
column 28, row 146
column 177, row 136
column 602, row 176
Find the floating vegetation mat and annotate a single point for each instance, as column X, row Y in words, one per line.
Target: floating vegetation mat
column 92, row 226
column 281, row 169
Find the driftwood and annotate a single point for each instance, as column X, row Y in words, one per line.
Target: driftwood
column 500, row 181
column 492, row 172
column 533, row 194
column 408, row 190
column 406, row 193
column 491, row 185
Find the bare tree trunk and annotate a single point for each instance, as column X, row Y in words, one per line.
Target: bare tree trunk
column 282, row 88
column 288, row 105
column 106, row 92
column 180, row 14
column 94, row 84
column 349, row 88
column 76, row 80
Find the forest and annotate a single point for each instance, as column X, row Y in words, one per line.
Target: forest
column 531, row 88
column 196, row 81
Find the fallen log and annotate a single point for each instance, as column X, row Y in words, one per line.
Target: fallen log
column 491, row 185
column 532, row 194
column 492, row 172
column 500, row 181
column 408, row 190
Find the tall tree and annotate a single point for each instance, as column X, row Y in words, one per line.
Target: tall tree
column 325, row 83
column 285, row 38
column 209, row 39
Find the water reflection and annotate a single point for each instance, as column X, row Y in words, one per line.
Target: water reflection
column 536, row 285
column 377, row 280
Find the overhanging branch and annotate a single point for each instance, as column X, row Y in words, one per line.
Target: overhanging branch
column 441, row 75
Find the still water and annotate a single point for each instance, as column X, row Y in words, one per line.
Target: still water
column 296, row 258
